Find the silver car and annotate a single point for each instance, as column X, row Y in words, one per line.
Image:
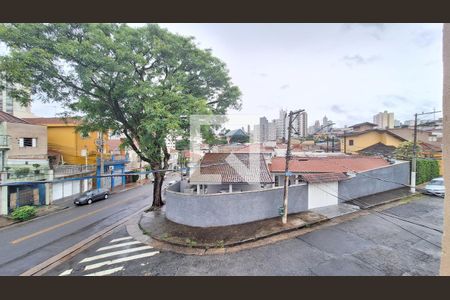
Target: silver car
column 435, row 187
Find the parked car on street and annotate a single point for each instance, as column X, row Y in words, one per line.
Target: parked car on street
column 91, row 196
column 435, row 187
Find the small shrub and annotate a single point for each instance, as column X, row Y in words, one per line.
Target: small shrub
column 426, row 169
column 24, row 213
column 20, row 172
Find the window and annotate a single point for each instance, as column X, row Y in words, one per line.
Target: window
column 27, row 142
column 350, row 142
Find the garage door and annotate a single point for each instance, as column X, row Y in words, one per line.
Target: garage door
column 57, row 191
column 322, row 194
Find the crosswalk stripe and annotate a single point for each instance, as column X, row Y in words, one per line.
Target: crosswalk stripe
column 106, row 272
column 119, row 245
column 88, row 259
column 119, row 260
column 66, row 272
column 121, row 239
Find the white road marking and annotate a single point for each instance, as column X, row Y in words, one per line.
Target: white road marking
column 66, row 272
column 87, row 259
column 119, row 260
column 119, row 245
column 121, row 239
column 106, row 272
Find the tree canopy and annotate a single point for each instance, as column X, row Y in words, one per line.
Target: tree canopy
column 140, row 82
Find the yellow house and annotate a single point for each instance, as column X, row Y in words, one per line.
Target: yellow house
column 69, row 144
column 353, row 142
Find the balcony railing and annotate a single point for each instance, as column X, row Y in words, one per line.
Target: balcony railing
column 65, row 170
column 5, row 141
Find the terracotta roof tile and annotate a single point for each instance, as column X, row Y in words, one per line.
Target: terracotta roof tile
column 52, row 121
column 5, row 117
column 336, row 164
column 323, row 177
column 220, row 168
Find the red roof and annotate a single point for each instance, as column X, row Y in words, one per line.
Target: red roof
column 52, row 121
column 223, row 168
column 255, row 148
column 5, row 117
column 334, row 164
column 323, row 177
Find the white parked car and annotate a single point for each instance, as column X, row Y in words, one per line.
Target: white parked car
column 436, row 187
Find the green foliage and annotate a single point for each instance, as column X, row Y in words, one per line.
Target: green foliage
column 36, row 166
column 22, row 172
column 405, row 151
column 182, row 145
column 24, row 213
column 142, row 82
column 426, row 169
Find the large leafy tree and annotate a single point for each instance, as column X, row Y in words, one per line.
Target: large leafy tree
column 140, row 82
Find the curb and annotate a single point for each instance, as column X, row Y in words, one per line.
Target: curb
column 134, row 229
column 66, row 208
column 388, row 201
column 70, row 252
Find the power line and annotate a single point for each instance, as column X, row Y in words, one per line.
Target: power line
column 378, row 214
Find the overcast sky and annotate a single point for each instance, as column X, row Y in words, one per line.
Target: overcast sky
column 348, row 72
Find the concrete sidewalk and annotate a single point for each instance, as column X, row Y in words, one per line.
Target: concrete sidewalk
column 154, row 228
column 167, row 233
column 381, row 198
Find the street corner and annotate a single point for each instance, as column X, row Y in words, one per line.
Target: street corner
column 153, row 228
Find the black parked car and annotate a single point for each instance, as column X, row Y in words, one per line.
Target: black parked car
column 91, row 196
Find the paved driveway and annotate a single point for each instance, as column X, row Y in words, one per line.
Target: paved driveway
column 404, row 240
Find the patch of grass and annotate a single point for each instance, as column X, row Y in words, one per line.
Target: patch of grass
column 164, row 236
column 190, row 243
column 220, row 244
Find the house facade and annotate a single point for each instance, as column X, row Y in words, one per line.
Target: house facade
column 355, row 141
column 70, row 144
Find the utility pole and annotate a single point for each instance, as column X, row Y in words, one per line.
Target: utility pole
column 413, row 163
column 332, row 143
column 101, row 158
column 327, row 142
column 414, row 158
column 292, row 117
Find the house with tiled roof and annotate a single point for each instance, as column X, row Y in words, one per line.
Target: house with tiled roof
column 354, row 141
column 23, row 157
column 230, row 172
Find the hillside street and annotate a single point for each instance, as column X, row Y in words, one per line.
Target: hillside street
column 402, row 240
column 23, row 246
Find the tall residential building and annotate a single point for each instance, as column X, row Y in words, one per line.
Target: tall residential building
column 301, row 124
column 11, row 106
column 281, row 125
column 263, row 129
column 384, row 119
column 272, row 131
column 325, row 120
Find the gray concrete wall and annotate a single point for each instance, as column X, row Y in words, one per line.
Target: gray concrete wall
column 364, row 184
column 235, row 208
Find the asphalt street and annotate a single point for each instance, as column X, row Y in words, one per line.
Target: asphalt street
column 403, row 240
column 24, row 246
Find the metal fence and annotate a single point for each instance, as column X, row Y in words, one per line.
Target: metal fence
column 64, row 170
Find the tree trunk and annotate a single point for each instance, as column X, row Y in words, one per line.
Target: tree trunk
column 157, row 190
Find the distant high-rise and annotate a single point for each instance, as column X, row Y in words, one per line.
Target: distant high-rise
column 272, row 131
column 281, row 125
column 11, row 106
column 301, row 124
column 325, row 121
column 384, row 120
